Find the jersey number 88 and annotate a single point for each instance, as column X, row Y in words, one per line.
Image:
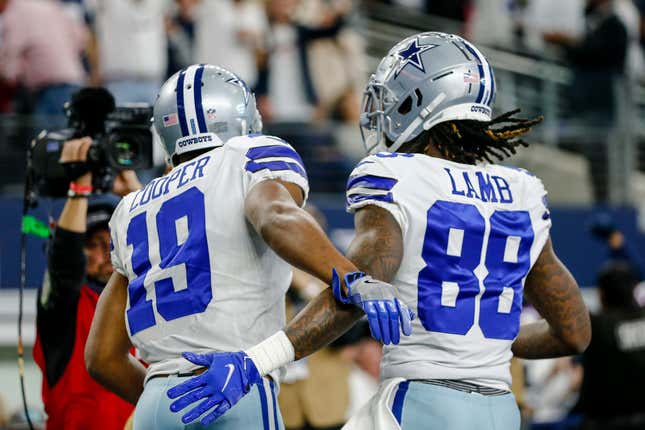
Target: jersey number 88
column 457, row 257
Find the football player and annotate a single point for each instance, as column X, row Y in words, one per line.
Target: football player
column 461, row 238
column 203, row 255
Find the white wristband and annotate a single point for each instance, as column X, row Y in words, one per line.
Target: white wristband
column 272, row 353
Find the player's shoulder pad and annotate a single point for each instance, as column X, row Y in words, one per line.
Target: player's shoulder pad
column 533, row 181
column 242, row 143
column 263, row 152
column 121, row 209
column 535, row 191
column 374, row 178
column 380, row 164
column 531, row 178
column 519, row 170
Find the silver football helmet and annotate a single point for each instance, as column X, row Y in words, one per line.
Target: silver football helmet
column 424, row 80
column 203, row 106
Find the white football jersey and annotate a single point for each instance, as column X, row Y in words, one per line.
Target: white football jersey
column 471, row 235
column 200, row 277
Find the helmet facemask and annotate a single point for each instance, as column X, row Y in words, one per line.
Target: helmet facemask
column 378, row 103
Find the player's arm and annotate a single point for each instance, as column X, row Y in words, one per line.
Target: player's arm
column 66, row 257
column 107, row 352
column 274, row 209
column 377, row 249
column 566, row 327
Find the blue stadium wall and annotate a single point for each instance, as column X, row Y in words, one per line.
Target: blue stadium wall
column 583, row 254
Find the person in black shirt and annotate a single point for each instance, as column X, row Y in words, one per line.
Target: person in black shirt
column 78, row 268
column 611, row 397
column 598, row 60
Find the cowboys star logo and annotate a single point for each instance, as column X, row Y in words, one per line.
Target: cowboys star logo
column 412, row 55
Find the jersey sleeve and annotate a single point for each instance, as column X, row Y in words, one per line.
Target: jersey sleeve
column 271, row 158
column 373, row 182
column 117, row 243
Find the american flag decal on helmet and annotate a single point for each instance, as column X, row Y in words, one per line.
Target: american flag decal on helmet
column 472, row 78
column 170, row 119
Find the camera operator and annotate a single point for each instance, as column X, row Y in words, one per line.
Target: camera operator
column 614, row 364
column 79, row 266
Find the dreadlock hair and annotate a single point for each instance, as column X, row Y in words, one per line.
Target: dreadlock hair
column 469, row 141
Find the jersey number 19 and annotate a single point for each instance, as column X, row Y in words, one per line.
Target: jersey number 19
column 181, row 231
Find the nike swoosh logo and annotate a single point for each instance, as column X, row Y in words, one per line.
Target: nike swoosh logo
column 231, row 369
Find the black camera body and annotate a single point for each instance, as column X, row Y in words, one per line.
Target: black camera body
column 121, row 140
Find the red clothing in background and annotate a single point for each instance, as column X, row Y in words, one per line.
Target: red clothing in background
column 76, row 401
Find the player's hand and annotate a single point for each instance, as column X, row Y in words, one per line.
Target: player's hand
column 386, row 314
column 229, row 377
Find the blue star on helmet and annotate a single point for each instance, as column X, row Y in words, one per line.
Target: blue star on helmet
column 412, row 55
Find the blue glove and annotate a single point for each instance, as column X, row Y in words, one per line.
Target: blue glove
column 229, row 377
column 386, row 314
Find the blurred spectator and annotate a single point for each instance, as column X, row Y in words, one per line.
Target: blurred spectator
column 500, row 13
column 597, row 57
column 180, row 28
column 285, row 88
column 518, row 387
column 40, row 49
column 341, row 57
column 365, row 356
column 451, row 9
column 229, row 34
column 629, row 14
column 130, row 58
column 599, row 60
column 551, row 387
column 614, row 364
column 603, row 228
column 551, row 16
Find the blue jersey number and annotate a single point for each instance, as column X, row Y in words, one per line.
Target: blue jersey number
column 175, row 249
column 452, row 250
